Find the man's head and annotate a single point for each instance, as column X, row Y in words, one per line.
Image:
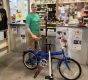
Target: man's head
column 34, row 7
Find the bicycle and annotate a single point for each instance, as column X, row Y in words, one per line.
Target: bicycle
column 32, row 60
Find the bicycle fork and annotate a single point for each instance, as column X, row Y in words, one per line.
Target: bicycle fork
column 66, row 63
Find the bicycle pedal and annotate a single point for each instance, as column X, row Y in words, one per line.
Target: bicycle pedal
column 48, row 77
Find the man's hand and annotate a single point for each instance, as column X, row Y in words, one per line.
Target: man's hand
column 39, row 38
column 34, row 37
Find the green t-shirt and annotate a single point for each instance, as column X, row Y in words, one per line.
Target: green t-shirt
column 34, row 22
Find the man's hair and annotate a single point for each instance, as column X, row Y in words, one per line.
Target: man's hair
column 33, row 4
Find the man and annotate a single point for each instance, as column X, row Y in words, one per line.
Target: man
column 33, row 22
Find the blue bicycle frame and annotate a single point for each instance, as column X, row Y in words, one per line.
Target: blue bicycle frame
column 40, row 55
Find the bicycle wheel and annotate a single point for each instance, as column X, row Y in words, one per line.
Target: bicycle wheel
column 30, row 60
column 74, row 72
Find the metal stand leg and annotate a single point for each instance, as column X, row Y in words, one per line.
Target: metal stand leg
column 50, row 77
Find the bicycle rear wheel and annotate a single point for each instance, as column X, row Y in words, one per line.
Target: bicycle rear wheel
column 74, row 72
column 30, row 60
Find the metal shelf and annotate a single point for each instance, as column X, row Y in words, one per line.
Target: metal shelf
column 85, row 10
column 45, row 3
column 85, row 18
column 42, row 25
column 71, row 2
column 42, row 18
column 41, row 11
column 62, row 2
column 51, row 23
column 41, row 14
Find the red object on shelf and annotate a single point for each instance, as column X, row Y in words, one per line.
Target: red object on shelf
column 83, row 14
column 81, row 25
column 63, row 40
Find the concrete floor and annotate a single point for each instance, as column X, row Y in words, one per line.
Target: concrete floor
column 12, row 68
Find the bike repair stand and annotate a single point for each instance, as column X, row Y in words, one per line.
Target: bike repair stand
column 40, row 67
column 50, row 77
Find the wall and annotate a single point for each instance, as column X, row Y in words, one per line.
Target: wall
column 80, row 55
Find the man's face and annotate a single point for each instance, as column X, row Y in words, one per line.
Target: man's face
column 34, row 8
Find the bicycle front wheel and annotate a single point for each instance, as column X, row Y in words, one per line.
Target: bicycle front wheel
column 30, row 60
column 73, row 72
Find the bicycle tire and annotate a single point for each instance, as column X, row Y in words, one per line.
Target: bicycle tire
column 31, row 63
column 79, row 67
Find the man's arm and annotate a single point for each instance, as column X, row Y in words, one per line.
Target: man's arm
column 28, row 22
column 29, row 31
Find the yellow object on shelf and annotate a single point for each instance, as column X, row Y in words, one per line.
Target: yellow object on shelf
column 18, row 15
column 50, row 27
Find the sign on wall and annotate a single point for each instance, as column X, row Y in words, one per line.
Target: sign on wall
column 14, row 29
column 77, row 42
column 22, row 34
